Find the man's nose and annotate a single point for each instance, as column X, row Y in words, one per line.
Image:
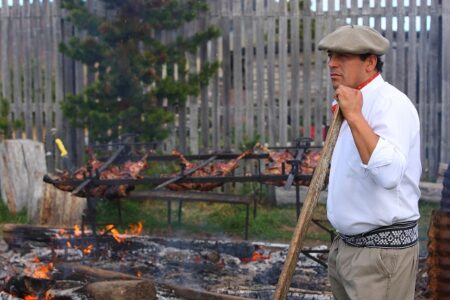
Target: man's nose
column 332, row 62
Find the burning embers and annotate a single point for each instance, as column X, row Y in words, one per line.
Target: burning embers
column 179, row 268
column 42, row 269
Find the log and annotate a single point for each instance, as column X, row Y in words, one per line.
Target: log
column 15, row 235
column 184, row 292
column 317, row 182
column 122, row 290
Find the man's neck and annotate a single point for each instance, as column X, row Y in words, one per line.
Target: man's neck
column 367, row 80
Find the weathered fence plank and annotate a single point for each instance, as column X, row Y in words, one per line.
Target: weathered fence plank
column 445, row 50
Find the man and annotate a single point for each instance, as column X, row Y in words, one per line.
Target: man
column 373, row 189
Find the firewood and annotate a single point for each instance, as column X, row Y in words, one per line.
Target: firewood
column 122, row 290
column 184, row 292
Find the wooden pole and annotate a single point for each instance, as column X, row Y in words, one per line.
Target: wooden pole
column 318, row 179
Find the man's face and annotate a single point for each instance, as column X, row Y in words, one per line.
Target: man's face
column 346, row 69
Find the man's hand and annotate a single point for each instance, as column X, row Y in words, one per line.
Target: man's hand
column 350, row 102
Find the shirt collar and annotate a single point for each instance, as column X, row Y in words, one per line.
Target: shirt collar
column 371, row 83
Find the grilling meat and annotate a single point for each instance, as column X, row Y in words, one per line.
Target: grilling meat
column 308, row 164
column 217, row 169
column 274, row 164
column 129, row 170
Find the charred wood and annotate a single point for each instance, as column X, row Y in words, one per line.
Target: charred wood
column 122, row 290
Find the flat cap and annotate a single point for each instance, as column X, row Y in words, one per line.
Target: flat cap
column 355, row 39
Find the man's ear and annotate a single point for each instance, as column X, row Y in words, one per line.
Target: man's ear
column 371, row 63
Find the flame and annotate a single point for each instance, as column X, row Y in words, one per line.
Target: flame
column 115, row 233
column 135, row 229
column 88, row 249
column 30, row 297
column 40, row 271
column 256, row 256
column 76, row 230
column 139, row 274
column 43, row 271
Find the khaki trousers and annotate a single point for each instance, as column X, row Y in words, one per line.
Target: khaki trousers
column 372, row 273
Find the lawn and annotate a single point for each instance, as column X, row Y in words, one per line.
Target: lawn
column 211, row 220
column 207, row 220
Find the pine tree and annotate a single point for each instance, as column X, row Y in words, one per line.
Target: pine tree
column 127, row 60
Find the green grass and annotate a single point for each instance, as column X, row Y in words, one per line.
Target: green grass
column 7, row 217
column 272, row 224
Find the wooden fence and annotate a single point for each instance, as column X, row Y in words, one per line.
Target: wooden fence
column 272, row 86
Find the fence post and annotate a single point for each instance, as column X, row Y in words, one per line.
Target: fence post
column 445, row 121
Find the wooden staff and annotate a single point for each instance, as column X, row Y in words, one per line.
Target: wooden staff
column 316, row 185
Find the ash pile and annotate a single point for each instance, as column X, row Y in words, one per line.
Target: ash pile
column 56, row 264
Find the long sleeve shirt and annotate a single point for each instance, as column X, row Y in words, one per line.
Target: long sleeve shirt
column 385, row 191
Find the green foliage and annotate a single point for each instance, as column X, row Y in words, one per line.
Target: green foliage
column 129, row 90
column 7, row 217
column 6, row 125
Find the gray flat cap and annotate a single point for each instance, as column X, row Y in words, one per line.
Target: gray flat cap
column 355, row 39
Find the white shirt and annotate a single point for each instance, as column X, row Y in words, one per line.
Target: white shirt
column 386, row 190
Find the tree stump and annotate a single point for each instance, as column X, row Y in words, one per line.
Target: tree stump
column 60, row 208
column 22, row 166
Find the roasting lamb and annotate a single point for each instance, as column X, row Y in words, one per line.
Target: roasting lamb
column 216, row 169
column 274, row 164
column 129, row 170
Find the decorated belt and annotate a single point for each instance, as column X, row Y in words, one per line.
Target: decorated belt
column 399, row 235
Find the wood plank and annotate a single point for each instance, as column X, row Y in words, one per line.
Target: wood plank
column 412, row 55
column 433, row 57
column 307, row 54
column 37, row 65
column 330, row 26
column 237, row 72
column 225, row 26
column 204, row 107
column 5, row 43
column 445, row 83
column 193, row 106
column 320, row 102
column 59, row 74
column 271, row 116
column 215, row 98
column 423, row 83
column 401, row 49
column 260, row 74
column 249, row 65
column 389, row 65
column 48, row 67
column 16, row 99
column 282, row 74
column 296, row 83
column 27, row 70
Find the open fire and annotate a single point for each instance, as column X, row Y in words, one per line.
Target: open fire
column 65, row 267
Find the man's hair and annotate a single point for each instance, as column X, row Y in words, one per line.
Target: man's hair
column 380, row 63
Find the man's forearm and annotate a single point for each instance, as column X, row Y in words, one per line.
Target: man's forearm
column 364, row 137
